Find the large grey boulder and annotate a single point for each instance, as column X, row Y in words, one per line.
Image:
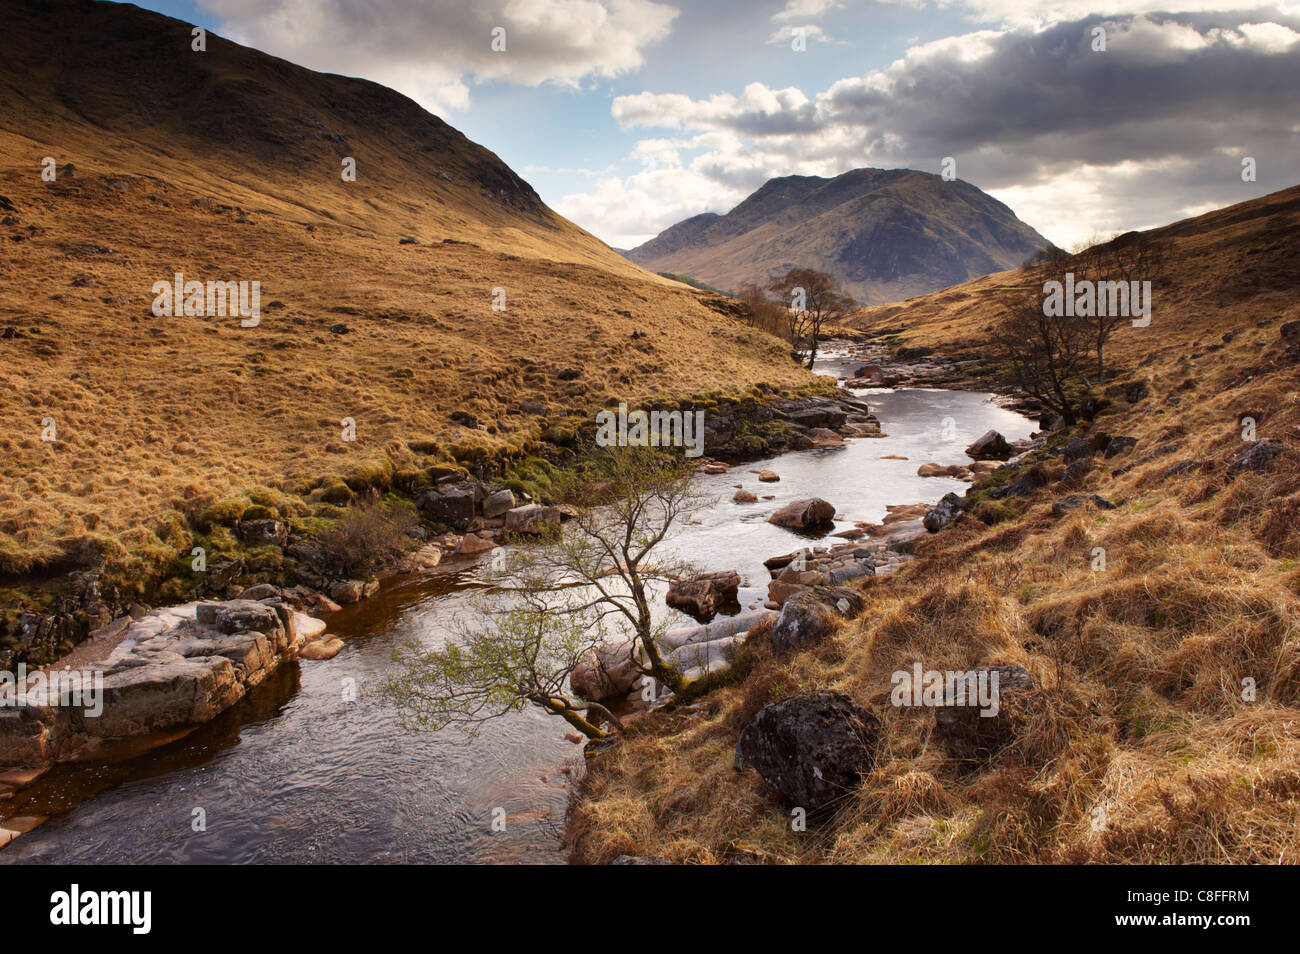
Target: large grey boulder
column 809, row 616
column 813, row 749
column 498, row 503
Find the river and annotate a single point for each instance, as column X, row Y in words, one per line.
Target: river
column 300, row 772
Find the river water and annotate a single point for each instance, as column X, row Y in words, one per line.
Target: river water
column 300, row 772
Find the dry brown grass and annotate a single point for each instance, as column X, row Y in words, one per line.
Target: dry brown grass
column 225, row 166
column 1138, row 713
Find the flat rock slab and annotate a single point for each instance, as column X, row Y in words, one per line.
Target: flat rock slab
column 174, row 667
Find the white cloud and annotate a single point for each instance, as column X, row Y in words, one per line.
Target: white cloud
column 432, row 49
column 1149, row 131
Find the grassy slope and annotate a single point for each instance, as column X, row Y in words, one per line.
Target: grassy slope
column 1140, row 713
column 172, row 149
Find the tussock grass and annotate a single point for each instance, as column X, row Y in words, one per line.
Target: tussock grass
column 1140, row 743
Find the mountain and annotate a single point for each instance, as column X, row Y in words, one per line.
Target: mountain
column 1151, row 590
column 885, row 234
column 376, row 294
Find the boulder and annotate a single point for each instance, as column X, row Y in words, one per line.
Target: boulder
column 809, row 514
column 472, row 543
column 1256, row 457
column 943, row 513
column 991, row 446
column 703, row 595
column 452, row 506
column 743, row 496
column 318, row 649
column 1118, row 445
column 612, row 671
column 941, row 470
column 1078, row 448
column 533, row 518
column 498, row 503
column 351, row 591
column 966, row 729
column 262, row 532
column 813, row 748
column 767, row 476
column 808, row 616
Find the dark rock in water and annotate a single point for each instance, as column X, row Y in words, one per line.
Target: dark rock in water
column 813, row 749
column 1256, row 457
column 1118, row 445
column 962, row 725
column 702, row 596
column 809, row 616
column 809, row 514
column 1063, row 506
column 991, row 446
column 943, row 513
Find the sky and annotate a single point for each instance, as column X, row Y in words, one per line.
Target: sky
column 1085, row 117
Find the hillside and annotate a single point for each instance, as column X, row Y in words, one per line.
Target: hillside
column 376, row 294
column 885, row 234
column 1165, row 680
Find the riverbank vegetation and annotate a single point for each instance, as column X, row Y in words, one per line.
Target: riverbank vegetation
column 1152, row 595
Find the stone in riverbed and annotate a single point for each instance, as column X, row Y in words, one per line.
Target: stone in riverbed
column 813, row 748
column 318, row 649
column 533, row 519
column 809, row 514
column 498, row 503
column 990, row 446
column 703, row 595
column 744, row 496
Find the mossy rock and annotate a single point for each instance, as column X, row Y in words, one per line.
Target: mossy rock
column 258, row 512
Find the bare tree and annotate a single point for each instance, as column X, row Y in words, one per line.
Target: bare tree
column 815, row 300
column 771, row 316
column 589, row 586
column 1045, row 353
column 1131, row 257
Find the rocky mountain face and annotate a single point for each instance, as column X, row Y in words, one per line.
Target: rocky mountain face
column 885, row 234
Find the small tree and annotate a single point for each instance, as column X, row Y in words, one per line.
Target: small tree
column 771, row 316
column 1045, row 353
column 564, row 599
column 1131, row 257
column 814, row 300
